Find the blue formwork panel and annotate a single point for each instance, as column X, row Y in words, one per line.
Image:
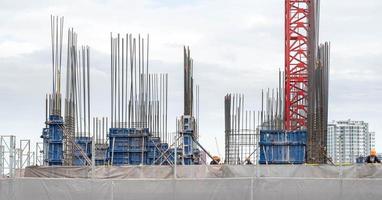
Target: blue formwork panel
column 154, row 141
column 136, row 144
column 86, row 145
column 187, row 143
column 154, row 154
column 79, row 162
column 153, row 148
column 55, row 153
column 53, row 140
column 281, row 147
column 99, row 162
column 277, row 136
column 136, row 158
column 120, row 160
column 298, row 137
column 127, row 132
column 119, row 144
column 129, row 146
column 272, row 136
column 297, row 153
column 55, row 134
column 188, row 153
column 164, row 146
column 282, row 154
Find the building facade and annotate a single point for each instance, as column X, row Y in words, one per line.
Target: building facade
column 348, row 140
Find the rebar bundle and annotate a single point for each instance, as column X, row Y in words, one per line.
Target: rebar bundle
column 70, row 100
column 191, row 98
column 100, row 130
column 187, row 127
column 188, row 82
column 272, row 113
column 318, row 106
column 196, row 111
column 318, row 88
column 138, row 98
column 53, row 100
column 77, row 97
column 77, row 100
column 241, row 136
column 100, row 139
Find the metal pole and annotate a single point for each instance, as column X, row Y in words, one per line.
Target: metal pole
column 93, row 157
column 176, row 155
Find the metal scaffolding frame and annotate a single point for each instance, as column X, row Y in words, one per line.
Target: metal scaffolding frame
column 39, row 154
column 25, row 154
column 12, row 158
column 1, row 160
column 8, row 155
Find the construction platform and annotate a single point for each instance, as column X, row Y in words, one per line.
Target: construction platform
column 196, row 182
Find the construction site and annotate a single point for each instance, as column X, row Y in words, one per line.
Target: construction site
column 277, row 152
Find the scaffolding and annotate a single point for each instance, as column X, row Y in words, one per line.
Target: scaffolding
column 16, row 155
column 25, row 155
column 39, row 154
column 8, row 155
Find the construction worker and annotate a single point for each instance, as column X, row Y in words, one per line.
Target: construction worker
column 248, row 161
column 215, row 160
column 372, row 158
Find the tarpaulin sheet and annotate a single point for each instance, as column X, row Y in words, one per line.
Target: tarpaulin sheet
column 266, row 188
column 208, row 171
column 197, row 183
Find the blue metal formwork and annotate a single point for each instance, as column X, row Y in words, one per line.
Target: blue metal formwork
column 153, row 150
column 190, row 154
column 281, row 147
column 131, row 146
column 128, row 146
column 86, row 145
column 100, row 162
column 53, row 141
column 188, row 150
column 171, row 156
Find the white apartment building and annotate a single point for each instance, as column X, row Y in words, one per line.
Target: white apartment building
column 348, row 140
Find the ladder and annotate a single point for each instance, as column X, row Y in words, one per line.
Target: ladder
column 68, row 137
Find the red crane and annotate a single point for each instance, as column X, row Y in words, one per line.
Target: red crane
column 296, row 63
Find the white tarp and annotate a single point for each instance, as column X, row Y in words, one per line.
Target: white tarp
column 193, row 189
column 208, row 171
column 201, row 182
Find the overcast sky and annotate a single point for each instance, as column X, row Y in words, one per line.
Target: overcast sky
column 237, row 47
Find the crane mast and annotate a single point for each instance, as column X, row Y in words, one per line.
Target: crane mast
column 297, row 27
